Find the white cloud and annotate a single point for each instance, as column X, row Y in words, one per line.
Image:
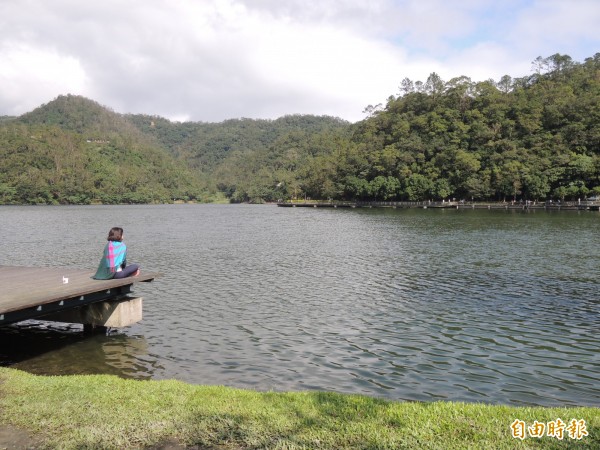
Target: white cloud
column 28, row 74
column 557, row 26
column 484, row 61
column 220, row 59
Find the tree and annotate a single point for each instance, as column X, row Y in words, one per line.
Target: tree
column 505, row 84
column 384, row 188
column 442, row 189
column 536, row 186
column 434, row 85
column 356, row 188
column 407, row 86
column 371, row 110
column 418, row 187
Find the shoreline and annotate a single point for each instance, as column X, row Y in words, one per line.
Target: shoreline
column 513, row 206
column 104, row 411
column 526, row 206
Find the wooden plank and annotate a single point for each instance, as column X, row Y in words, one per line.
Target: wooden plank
column 26, row 287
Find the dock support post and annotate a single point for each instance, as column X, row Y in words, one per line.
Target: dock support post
column 102, row 315
column 91, row 329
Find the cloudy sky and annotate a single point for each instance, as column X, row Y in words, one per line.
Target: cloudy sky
column 211, row 60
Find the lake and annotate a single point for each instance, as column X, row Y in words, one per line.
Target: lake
column 466, row 305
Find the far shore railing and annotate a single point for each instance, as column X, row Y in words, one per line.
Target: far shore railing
column 526, row 204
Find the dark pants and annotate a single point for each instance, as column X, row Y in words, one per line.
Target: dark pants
column 127, row 271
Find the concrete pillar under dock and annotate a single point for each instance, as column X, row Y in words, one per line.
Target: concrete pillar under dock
column 101, row 315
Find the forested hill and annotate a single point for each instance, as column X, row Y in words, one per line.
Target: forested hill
column 205, row 145
column 72, row 150
column 536, row 137
column 83, row 116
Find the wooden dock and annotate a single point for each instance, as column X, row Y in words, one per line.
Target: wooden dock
column 34, row 292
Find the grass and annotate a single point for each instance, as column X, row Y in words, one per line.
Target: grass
column 102, row 411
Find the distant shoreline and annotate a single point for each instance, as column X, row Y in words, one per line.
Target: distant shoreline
column 527, row 205
column 519, row 205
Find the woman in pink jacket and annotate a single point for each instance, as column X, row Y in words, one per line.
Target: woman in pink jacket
column 114, row 259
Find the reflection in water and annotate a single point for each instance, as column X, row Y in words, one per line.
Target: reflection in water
column 62, row 349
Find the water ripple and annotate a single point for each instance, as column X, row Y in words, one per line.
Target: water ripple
column 403, row 304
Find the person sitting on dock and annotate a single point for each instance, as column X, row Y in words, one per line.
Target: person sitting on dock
column 114, row 259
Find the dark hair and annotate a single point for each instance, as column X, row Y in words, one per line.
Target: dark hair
column 115, row 234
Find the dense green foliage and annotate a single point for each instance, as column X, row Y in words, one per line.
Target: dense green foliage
column 72, row 150
column 6, row 118
column 534, row 138
column 75, row 151
column 205, row 145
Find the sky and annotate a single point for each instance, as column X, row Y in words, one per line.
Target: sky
column 213, row 60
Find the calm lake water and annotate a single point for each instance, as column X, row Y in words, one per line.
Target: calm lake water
column 476, row 306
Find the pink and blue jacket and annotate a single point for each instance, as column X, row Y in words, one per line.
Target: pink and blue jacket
column 113, row 259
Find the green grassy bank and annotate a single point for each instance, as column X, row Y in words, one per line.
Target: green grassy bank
column 103, row 411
